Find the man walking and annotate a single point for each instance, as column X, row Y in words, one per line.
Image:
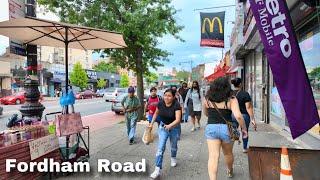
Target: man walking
column 131, row 104
column 183, row 92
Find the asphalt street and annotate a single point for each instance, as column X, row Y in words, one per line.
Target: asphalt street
column 85, row 107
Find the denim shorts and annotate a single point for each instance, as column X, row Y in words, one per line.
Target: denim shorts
column 218, row 131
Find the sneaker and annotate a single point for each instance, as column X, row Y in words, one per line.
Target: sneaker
column 229, row 173
column 198, row 127
column 131, row 142
column 156, row 173
column 173, row 162
column 245, row 151
column 193, row 129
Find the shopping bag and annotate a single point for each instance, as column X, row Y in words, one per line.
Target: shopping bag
column 67, row 124
column 148, row 136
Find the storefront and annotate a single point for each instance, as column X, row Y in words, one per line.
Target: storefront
column 257, row 74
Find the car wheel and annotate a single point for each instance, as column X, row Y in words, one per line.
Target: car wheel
column 18, row 101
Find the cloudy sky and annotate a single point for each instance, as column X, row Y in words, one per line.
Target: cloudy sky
column 182, row 51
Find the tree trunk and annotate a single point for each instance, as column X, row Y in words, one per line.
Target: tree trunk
column 140, row 90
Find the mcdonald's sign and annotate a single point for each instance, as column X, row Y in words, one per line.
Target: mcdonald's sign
column 212, row 29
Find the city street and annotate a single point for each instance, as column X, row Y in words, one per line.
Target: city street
column 85, row 106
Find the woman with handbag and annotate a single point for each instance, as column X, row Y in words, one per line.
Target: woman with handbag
column 194, row 105
column 169, row 112
column 219, row 132
column 246, row 109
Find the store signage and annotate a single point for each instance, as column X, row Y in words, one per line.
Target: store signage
column 17, row 10
column 282, row 50
column 43, row 146
column 92, row 74
column 212, row 29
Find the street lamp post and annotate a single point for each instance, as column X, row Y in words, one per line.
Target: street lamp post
column 32, row 108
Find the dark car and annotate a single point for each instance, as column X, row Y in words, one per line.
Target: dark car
column 1, row 110
column 87, row 94
column 116, row 104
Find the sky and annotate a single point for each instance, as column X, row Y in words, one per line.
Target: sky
column 187, row 51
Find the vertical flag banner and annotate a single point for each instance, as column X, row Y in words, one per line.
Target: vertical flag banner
column 212, row 29
column 282, row 50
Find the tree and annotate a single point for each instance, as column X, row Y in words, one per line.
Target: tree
column 79, row 77
column 142, row 22
column 101, row 83
column 183, row 75
column 315, row 73
column 124, row 80
column 151, row 77
column 105, row 67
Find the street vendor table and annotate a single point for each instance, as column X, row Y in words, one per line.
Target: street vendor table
column 21, row 152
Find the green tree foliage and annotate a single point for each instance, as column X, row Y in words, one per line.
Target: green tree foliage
column 105, row 67
column 183, row 75
column 101, row 83
column 79, row 77
column 315, row 73
column 124, row 81
column 142, row 22
column 151, row 77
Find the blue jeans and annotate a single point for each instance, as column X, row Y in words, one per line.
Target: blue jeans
column 150, row 116
column 246, row 118
column 163, row 137
column 131, row 126
column 185, row 115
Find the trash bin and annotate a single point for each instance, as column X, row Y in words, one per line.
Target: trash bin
column 264, row 163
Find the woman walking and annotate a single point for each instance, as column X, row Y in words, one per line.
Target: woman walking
column 169, row 113
column 218, row 106
column 246, row 109
column 194, row 105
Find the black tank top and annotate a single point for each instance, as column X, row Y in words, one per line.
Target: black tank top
column 215, row 118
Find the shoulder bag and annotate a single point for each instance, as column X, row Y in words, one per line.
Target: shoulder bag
column 233, row 131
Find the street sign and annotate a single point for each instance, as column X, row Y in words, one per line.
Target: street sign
column 17, row 10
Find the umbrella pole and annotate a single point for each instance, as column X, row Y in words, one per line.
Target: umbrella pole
column 66, row 42
column 66, row 65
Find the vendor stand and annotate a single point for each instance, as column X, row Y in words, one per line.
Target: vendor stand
column 18, row 142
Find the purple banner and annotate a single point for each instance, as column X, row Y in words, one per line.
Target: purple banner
column 285, row 59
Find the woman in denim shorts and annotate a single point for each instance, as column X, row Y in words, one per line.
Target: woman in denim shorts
column 216, row 131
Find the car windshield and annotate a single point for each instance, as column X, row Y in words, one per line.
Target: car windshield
column 119, row 98
column 121, row 90
column 110, row 90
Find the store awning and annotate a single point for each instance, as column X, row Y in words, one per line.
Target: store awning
column 233, row 70
column 220, row 72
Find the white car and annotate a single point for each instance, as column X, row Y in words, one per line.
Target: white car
column 111, row 93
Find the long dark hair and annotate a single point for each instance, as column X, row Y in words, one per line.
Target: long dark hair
column 236, row 82
column 196, row 88
column 220, row 90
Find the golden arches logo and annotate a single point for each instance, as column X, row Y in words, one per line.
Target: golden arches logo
column 211, row 24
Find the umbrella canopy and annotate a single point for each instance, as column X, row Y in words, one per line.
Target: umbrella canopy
column 36, row 31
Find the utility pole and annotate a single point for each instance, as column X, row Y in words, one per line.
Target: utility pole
column 32, row 108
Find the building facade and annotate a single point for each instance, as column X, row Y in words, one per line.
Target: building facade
column 247, row 53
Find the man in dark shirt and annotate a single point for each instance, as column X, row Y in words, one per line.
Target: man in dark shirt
column 183, row 91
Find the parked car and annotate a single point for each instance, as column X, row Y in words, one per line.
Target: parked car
column 87, row 94
column 17, row 98
column 116, row 104
column 112, row 93
column 100, row 92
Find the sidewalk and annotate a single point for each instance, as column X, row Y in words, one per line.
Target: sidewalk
column 111, row 143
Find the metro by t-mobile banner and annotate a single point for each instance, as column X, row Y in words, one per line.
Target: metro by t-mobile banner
column 285, row 59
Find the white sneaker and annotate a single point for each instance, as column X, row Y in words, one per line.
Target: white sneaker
column 156, row 173
column 193, row 129
column 173, row 162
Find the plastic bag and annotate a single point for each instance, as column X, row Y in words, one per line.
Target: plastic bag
column 148, row 136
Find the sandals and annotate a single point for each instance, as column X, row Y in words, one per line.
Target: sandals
column 229, row 173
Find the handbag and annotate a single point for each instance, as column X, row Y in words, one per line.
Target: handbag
column 148, row 136
column 67, row 124
column 233, row 131
column 190, row 103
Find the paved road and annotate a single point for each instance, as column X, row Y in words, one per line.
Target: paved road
column 86, row 107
